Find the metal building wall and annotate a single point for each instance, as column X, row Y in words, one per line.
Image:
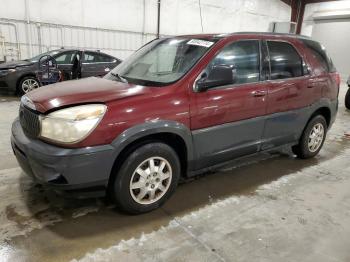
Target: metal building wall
column 119, row 27
column 48, row 36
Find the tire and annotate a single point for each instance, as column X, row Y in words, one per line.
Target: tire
column 27, row 84
column 147, row 180
column 347, row 99
column 305, row 149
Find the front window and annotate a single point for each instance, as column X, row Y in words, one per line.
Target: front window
column 162, row 61
column 65, row 58
column 243, row 57
column 50, row 53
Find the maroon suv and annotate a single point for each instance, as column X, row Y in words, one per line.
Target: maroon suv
column 177, row 107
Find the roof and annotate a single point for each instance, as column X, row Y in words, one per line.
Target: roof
column 219, row 36
column 62, row 49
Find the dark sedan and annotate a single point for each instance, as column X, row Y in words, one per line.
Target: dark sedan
column 20, row 77
column 347, row 96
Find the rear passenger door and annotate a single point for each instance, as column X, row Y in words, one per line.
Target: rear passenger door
column 96, row 64
column 291, row 92
column 227, row 120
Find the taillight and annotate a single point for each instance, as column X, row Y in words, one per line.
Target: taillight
column 336, row 77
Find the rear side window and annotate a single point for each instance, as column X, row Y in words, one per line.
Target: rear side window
column 285, row 62
column 105, row 58
column 244, row 57
column 319, row 52
column 91, row 57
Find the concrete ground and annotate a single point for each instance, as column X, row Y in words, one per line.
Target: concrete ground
column 270, row 207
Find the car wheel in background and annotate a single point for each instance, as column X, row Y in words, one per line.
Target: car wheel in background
column 147, row 178
column 27, row 84
column 312, row 138
column 347, row 99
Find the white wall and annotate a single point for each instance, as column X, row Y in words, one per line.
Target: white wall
column 329, row 23
column 323, row 10
column 119, row 27
column 221, row 16
column 110, row 14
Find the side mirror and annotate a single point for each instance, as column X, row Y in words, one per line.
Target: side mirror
column 219, row 75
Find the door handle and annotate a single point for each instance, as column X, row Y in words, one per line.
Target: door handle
column 259, row 93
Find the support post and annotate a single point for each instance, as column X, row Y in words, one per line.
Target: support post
column 158, row 19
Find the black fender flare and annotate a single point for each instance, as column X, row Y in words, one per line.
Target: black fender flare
column 152, row 128
column 331, row 105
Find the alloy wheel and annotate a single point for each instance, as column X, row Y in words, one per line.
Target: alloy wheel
column 150, row 180
column 316, row 137
column 29, row 85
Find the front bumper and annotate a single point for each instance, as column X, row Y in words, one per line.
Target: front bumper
column 83, row 171
column 8, row 83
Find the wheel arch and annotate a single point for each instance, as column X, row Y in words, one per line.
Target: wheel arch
column 172, row 133
column 20, row 78
column 324, row 107
column 324, row 111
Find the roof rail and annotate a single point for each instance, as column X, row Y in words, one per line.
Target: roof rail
column 272, row 33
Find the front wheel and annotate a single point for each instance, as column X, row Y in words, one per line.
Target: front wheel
column 347, row 99
column 146, row 179
column 312, row 138
column 27, row 84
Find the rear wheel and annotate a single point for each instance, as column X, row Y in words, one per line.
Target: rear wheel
column 347, row 99
column 27, row 84
column 312, row 138
column 147, row 178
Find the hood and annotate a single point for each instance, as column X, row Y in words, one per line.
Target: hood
column 86, row 90
column 14, row 64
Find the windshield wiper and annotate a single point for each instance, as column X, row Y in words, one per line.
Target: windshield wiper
column 163, row 73
column 121, row 79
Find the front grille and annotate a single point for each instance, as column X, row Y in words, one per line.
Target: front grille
column 3, row 84
column 29, row 121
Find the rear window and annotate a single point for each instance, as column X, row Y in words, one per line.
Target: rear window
column 319, row 52
column 285, row 62
column 92, row 57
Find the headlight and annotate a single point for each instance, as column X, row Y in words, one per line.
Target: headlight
column 6, row 72
column 71, row 125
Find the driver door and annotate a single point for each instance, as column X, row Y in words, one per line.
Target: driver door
column 65, row 62
column 227, row 121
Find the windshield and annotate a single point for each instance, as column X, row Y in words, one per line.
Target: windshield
column 36, row 58
column 161, row 62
